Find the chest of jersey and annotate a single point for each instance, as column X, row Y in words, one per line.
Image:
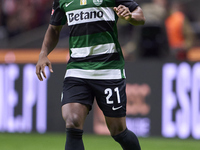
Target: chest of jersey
column 85, row 11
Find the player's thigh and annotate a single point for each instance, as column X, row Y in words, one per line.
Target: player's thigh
column 77, row 100
column 116, row 125
column 74, row 114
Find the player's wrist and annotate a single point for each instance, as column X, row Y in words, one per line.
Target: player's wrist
column 42, row 55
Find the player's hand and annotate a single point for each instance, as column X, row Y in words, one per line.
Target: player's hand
column 41, row 64
column 123, row 12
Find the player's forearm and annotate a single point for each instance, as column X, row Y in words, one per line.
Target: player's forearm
column 137, row 17
column 50, row 40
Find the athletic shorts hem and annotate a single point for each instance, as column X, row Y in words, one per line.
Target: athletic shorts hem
column 115, row 115
column 88, row 105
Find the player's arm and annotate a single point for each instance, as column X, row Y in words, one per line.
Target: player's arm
column 58, row 19
column 130, row 11
column 50, row 41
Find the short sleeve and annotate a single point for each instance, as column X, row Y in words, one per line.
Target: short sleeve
column 131, row 4
column 58, row 16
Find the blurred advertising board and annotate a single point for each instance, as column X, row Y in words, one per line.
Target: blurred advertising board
column 163, row 99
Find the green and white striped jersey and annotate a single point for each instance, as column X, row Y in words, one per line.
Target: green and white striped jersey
column 95, row 52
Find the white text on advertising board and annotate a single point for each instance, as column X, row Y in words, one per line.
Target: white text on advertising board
column 34, row 93
column 181, row 100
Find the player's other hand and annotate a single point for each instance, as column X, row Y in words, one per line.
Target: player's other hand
column 41, row 64
column 123, row 12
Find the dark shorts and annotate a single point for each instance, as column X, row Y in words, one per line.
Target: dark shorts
column 109, row 94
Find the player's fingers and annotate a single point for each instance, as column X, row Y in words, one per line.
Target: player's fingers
column 43, row 71
column 39, row 77
column 120, row 6
column 38, row 73
column 50, row 67
column 127, row 14
column 116, row 9
column 122, row 12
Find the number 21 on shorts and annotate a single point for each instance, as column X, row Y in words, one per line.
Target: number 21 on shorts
column 109, row 93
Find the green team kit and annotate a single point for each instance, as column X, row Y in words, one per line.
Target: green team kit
column 95, row 69
column 96, row 65
column 95, row 52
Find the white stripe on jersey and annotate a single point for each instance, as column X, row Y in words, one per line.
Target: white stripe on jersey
column 94, row 74
column 90, row 15
column 93, row 50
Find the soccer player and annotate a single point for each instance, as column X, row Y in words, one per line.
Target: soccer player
column 96, row 65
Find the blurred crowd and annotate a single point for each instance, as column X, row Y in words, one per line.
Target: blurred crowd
column 167, row 31
column 17, row 16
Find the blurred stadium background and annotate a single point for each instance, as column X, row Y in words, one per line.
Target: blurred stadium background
column 163, row 79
